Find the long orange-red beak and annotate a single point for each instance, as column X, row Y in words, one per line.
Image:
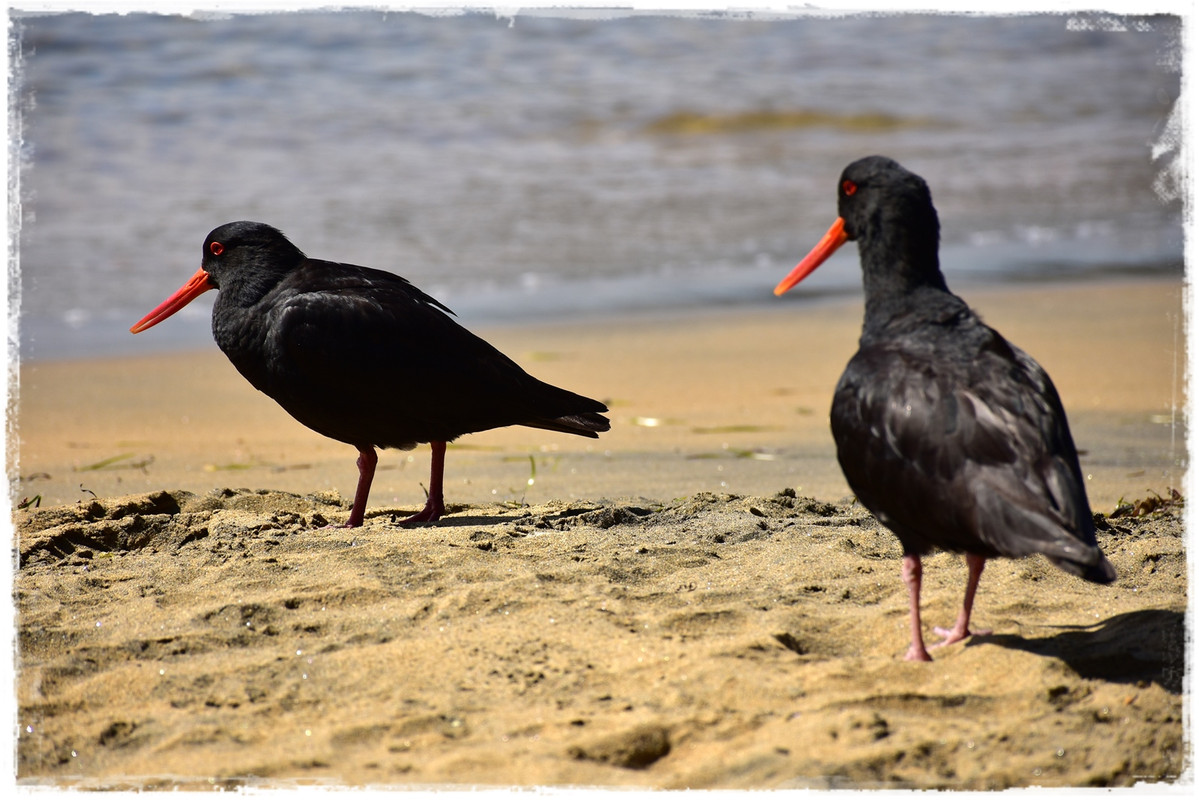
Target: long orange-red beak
column 197, row 285
column 835, row 237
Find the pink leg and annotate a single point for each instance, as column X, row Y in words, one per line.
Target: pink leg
column 911, row 576
column 961, row 628
column 435, row 505
column 367, row 459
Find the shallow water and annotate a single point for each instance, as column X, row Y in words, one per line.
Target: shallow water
column 549, row 166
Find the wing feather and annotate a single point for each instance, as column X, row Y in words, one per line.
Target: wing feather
column 963, row 455
column 362, row 356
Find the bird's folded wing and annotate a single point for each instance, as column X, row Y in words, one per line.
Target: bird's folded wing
column 987, row 459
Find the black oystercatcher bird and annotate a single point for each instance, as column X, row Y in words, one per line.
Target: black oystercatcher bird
column 363, row 356
column 952, row 437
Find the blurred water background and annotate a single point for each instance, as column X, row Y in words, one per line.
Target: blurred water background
column 564, row 164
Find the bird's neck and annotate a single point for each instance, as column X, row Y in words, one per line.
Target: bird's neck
column 238, row 324
column 254, row 279
column 895, row 275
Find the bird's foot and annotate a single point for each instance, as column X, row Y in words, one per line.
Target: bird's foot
column 956, row 634
column 430, row 513
column 917, row 653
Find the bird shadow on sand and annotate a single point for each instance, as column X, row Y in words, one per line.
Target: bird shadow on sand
column 467, row 521
column 1146, row 645
column 541, row 518
column 454, row 518
column 395, row 517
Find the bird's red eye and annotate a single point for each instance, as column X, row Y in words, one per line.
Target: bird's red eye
column 849, row 187
column 216, row 248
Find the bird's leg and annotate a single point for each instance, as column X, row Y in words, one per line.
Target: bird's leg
column 435, row 505
column 911, row 576
column 961, row 628
column 367, row 459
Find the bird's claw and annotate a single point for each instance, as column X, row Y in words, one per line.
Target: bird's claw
column 430, row 513
column 954, row 635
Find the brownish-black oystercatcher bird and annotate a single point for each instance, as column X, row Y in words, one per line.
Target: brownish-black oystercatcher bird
column 952, row 437
column 363, row 356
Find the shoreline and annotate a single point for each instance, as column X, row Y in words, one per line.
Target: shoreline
column 570, row 303
column 715, row 400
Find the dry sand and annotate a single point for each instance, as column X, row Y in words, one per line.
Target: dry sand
column 693, row 601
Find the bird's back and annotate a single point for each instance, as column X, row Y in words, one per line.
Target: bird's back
column 363, row 356
column 957, row 440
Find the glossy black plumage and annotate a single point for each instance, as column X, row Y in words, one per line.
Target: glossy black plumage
column 363, row 356
column 951, row 436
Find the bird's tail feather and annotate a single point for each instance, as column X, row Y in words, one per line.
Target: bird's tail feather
column 1017, row 528
column 1101, row 571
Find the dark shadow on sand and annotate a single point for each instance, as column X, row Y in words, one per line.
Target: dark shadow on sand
column 1148, row 645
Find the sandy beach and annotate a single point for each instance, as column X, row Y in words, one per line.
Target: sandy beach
column 692, row 601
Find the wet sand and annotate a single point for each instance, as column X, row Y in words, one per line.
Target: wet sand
column 692, row 601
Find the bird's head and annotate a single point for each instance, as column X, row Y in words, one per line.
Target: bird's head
column 238, row 250
column 245, row 256
column 881, row 205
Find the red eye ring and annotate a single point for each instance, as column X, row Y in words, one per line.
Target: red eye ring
column 216, row 248
column 848, row 187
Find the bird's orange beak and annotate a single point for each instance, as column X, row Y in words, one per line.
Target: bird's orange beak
column 197, row 285
column 835, row 237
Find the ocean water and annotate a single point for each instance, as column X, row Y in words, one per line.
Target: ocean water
column 557, row 165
